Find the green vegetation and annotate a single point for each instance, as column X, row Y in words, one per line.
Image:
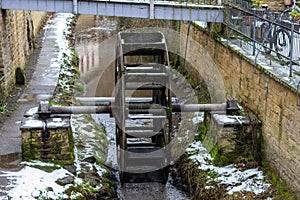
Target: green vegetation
column 3, row 106
column 295, row 15
column 68, row 83
column 201, row 133
column 247, row 157
column 283, row 191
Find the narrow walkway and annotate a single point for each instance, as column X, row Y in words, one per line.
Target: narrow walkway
column 40, row 87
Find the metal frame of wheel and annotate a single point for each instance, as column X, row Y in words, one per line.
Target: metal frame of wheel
column 135, row 159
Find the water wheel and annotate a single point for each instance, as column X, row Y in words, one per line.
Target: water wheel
column 143, row 125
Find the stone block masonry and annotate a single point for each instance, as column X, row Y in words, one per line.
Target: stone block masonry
column 273, row 101
column 233, row 138
column 48, row 140
column 18, row 33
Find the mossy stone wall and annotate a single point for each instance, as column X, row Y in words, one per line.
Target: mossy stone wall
column 54, row 144
column 270, row 99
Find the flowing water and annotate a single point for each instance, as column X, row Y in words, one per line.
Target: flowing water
column 95, row 44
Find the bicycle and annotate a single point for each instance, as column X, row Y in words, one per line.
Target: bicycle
column 275, row 37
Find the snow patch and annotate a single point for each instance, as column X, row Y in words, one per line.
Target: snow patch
column 251, row 180
column 29, row 182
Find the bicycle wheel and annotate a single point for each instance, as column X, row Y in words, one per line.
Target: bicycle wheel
column 265, row 37
column 283, row 43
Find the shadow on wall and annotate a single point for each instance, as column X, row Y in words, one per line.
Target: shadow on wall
column 20, row 76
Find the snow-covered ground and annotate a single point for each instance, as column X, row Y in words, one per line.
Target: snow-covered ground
column 235, row 179
column 31, row 182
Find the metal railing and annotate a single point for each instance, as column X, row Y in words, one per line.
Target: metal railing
column 200, row 2
column 298, row 98
column 265, row 32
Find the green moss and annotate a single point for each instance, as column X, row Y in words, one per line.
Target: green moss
column 71, row 145
column 47, row 168
column 295, row 15
column 224, row 159
column 85, row 189
column 29, row 155
column 197, row 180
column 3, row 105
column 201, row 133
column 282, row 188
column 217, row 29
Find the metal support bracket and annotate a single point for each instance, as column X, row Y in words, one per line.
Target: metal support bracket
column 44, row 107
column 298, row 98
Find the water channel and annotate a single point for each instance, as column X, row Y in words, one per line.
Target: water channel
column 95, row 45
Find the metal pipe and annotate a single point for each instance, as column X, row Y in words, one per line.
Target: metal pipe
column 109, row 108
column 80, row 109
column 198, row 107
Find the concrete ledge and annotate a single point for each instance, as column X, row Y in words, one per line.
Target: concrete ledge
column 50, row 123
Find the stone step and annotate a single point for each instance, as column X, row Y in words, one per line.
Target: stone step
column 9, row 161
column 10, row 146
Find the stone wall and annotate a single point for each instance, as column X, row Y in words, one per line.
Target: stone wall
column 277, row 5
column 18, row 33
column 273, row 101
column 48, row 140
column 234, row 139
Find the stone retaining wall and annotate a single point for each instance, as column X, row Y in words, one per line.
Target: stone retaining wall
column 270, row 99
column 48, row 140
column 18, row 33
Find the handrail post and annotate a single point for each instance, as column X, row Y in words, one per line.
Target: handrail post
column 291, row 50
column 75, row 7
column 254, row 32
column 151, row 9
column 298, row 98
